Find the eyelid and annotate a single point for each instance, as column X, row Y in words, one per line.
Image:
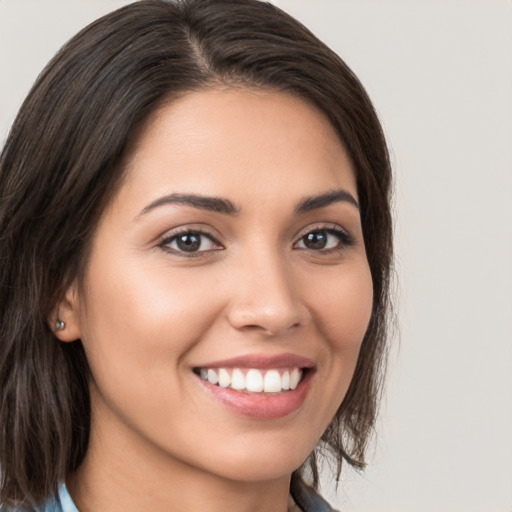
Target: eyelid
column 164, row 240
column 319, row 226
column 346, row 239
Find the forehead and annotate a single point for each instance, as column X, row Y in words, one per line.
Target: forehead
column 231, row 142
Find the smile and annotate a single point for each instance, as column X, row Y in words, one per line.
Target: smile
column 260, row 387
column 253, row 380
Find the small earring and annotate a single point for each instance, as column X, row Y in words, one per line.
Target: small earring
column 59, row 325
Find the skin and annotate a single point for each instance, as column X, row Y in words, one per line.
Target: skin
column 148, row 314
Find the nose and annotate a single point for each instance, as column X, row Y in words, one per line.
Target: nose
column 265, row 298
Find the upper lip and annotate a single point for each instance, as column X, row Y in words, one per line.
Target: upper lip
column 261, row 361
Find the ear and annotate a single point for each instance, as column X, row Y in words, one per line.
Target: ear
column 65, row 319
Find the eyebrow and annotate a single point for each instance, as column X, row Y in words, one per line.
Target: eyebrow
column 212, row 204
column 225, row 206
column 321, row 201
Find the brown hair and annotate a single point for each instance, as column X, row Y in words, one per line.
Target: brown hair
column 61, row 165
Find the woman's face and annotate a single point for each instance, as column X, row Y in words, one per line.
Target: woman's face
column 233, row 251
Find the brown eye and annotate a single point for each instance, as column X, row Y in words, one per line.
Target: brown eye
column 324, row 240
column 189, row 242
column 316, row 240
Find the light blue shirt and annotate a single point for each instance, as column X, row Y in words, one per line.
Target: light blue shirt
column 62, row 502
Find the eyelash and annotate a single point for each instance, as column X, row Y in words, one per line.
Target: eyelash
column 174, row 236
column 344, row 240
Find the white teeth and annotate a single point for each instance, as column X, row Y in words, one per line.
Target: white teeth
column 272, row 382
column 294, row 378
column 237, row 379
column 253, row 380
column 224, row 378
column 213, row 378
column 285, row 380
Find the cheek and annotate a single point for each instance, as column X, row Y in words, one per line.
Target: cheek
column 137, row 315
column 344, row 306
column 343, row 310
column 340, row 301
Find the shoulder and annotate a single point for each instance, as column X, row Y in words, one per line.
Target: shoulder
column 60, row 502
column 50, row 505
column 309, row 500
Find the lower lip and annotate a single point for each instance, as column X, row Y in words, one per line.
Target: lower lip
column 259, row 405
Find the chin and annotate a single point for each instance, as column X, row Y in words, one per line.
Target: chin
column 258, row 470
column 266, row 461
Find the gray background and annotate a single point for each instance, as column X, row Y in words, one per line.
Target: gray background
column 440, row 75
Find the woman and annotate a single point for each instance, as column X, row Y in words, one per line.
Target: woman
column 196, row 244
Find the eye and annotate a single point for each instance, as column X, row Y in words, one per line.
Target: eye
column 324, row 239
column 189, row 241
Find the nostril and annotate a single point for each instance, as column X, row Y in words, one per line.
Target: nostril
column 267, row 330
column 268, row 320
